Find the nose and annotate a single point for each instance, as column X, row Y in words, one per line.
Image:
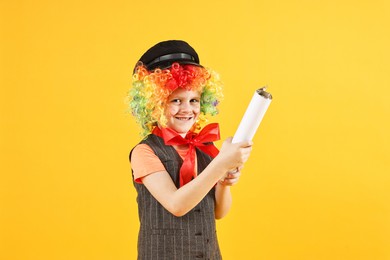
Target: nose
column 185, row 106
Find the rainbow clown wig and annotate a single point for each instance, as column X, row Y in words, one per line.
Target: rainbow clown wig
column 161, row 70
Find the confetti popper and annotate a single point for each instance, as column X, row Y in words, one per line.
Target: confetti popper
column 253, row 116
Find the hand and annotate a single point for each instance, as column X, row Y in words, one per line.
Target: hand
column 233, row 156
column 231, row 178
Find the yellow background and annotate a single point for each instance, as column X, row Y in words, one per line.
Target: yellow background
column 317, row 185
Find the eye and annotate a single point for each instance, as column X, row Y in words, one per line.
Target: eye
column 175, row 101
column 194, row 100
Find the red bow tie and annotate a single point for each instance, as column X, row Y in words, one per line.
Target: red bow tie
column 203, row 140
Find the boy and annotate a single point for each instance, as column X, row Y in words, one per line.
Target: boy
column 183, row 183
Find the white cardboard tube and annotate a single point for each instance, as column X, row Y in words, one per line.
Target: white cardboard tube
column 253, row 116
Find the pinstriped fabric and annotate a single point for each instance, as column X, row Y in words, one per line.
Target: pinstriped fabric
column 164, row 236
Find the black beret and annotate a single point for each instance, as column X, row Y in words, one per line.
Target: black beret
column 163, row 54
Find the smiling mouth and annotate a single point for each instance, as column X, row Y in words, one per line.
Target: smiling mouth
column 184, row 118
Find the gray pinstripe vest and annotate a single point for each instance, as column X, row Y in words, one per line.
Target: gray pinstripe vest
column 164, row 236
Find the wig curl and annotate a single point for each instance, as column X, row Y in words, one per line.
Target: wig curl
column 150, row 91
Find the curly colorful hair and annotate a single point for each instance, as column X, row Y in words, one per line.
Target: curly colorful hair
column 150, row 90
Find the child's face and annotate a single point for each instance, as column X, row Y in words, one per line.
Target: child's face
column 182, row 110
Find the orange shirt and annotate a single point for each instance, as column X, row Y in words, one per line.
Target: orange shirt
column 144, row 161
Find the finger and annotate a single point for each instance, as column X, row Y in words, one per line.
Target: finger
column 233, row 175
column 233, row 171
column 246, row 144
column 232, row 179
column 231, row 182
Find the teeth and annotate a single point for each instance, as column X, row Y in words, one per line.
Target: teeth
column 184, row 118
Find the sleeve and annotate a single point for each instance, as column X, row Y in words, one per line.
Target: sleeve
column 144, row 162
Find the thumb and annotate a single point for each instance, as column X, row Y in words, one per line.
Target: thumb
column 246, row 144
